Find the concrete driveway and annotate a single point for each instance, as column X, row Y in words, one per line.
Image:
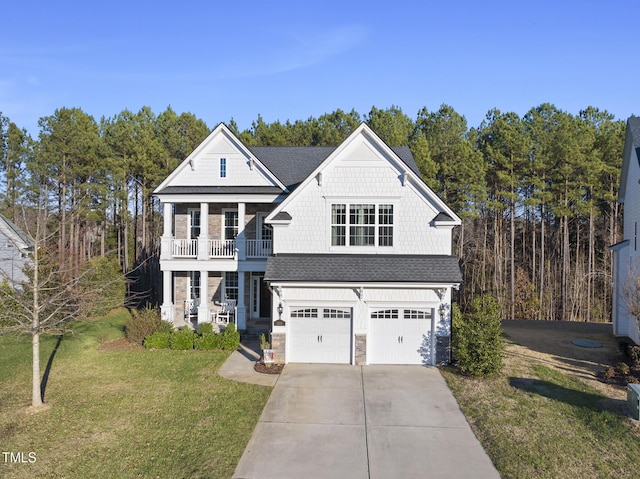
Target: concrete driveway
column 374, row 422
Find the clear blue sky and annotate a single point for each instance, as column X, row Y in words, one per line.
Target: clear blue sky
column 292, row 60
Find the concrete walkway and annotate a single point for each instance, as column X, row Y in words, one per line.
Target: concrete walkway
column 239, row 366
column 371, row 422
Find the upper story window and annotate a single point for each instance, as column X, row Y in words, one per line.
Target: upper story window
column 361, row 224
column 194, row 223
column 223, row 167
column 230, row 224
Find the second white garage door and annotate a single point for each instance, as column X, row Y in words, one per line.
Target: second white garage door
column 320, row 335
column 399, row 336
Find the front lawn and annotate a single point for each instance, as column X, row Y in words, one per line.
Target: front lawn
column 537, row 421
column 122, row 414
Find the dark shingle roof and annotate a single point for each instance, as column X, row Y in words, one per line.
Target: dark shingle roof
column 293, row 164
column 633, row 125
column 360, row 268
column 282, row 216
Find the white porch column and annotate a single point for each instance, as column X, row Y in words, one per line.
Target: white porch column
column 203, row 239
column 241, row 318
column 166, row 310
column 240, row 240
column 203, row 307
column 167, row 233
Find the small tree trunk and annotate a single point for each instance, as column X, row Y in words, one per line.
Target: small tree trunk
column 36, row 393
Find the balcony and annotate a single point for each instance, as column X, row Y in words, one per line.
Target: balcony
column 184, row 248
column 222, row 248
column 258, row 248
column 188, row 248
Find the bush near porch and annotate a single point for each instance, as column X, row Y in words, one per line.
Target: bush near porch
column 145, row 327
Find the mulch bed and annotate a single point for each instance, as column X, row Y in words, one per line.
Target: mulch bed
column 261, row 367
column 626, row 370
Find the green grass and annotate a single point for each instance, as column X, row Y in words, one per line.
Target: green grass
column 535, row 421
column 123, row 414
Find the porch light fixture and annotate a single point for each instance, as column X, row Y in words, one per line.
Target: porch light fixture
column 279, row 321
column 442, row 310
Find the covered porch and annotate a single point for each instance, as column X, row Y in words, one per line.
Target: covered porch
column 219, row 297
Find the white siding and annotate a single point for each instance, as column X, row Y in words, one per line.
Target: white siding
column 206, row 168
column 629, row 257
column 368, row 178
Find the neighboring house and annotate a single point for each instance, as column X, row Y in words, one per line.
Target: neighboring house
column 343, row 252
column 15, row 247
column 626, row 258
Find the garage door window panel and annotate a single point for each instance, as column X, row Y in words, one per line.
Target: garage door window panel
column 416, row 314
column 385, row 314
column 336, row 314
column 305, row 313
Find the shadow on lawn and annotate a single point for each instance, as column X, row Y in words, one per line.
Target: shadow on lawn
column 47, row 370
column 572, row 397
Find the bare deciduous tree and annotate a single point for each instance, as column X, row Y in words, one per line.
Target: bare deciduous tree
column 50, row 297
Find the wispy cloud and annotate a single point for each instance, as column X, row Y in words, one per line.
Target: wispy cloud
column 295, row 51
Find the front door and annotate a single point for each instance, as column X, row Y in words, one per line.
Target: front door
column 261, row 298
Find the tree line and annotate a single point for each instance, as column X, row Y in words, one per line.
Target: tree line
column 537, row 193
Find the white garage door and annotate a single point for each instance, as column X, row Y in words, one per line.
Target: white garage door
column 320, row 335
column 399, row 336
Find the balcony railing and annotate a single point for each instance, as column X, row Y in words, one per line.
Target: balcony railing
column 188, row 248
column 222, row 248
column 184, row 248
column 258, row 248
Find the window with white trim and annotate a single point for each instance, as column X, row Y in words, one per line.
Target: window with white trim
column 194, row 223
column 366, row 224
column 230, row 224
column 231, row 285
column 223, row 167
column 194, row 285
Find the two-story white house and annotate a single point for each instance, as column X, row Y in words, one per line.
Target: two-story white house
column 626, row 257
column 344, row 252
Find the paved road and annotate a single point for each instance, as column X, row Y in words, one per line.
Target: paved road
column 371, row 422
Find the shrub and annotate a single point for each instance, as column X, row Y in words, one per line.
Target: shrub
column 182, row 339
column 208, row 342
column 205, row 328
column 623, row 368
column 477, row 338
column 157, row 340
column 264, row 343
column 634, row 354
column 609, row 373
column 230, row 338
column 142, row 323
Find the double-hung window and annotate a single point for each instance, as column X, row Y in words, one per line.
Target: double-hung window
column 231, row 285
column 361, row 224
